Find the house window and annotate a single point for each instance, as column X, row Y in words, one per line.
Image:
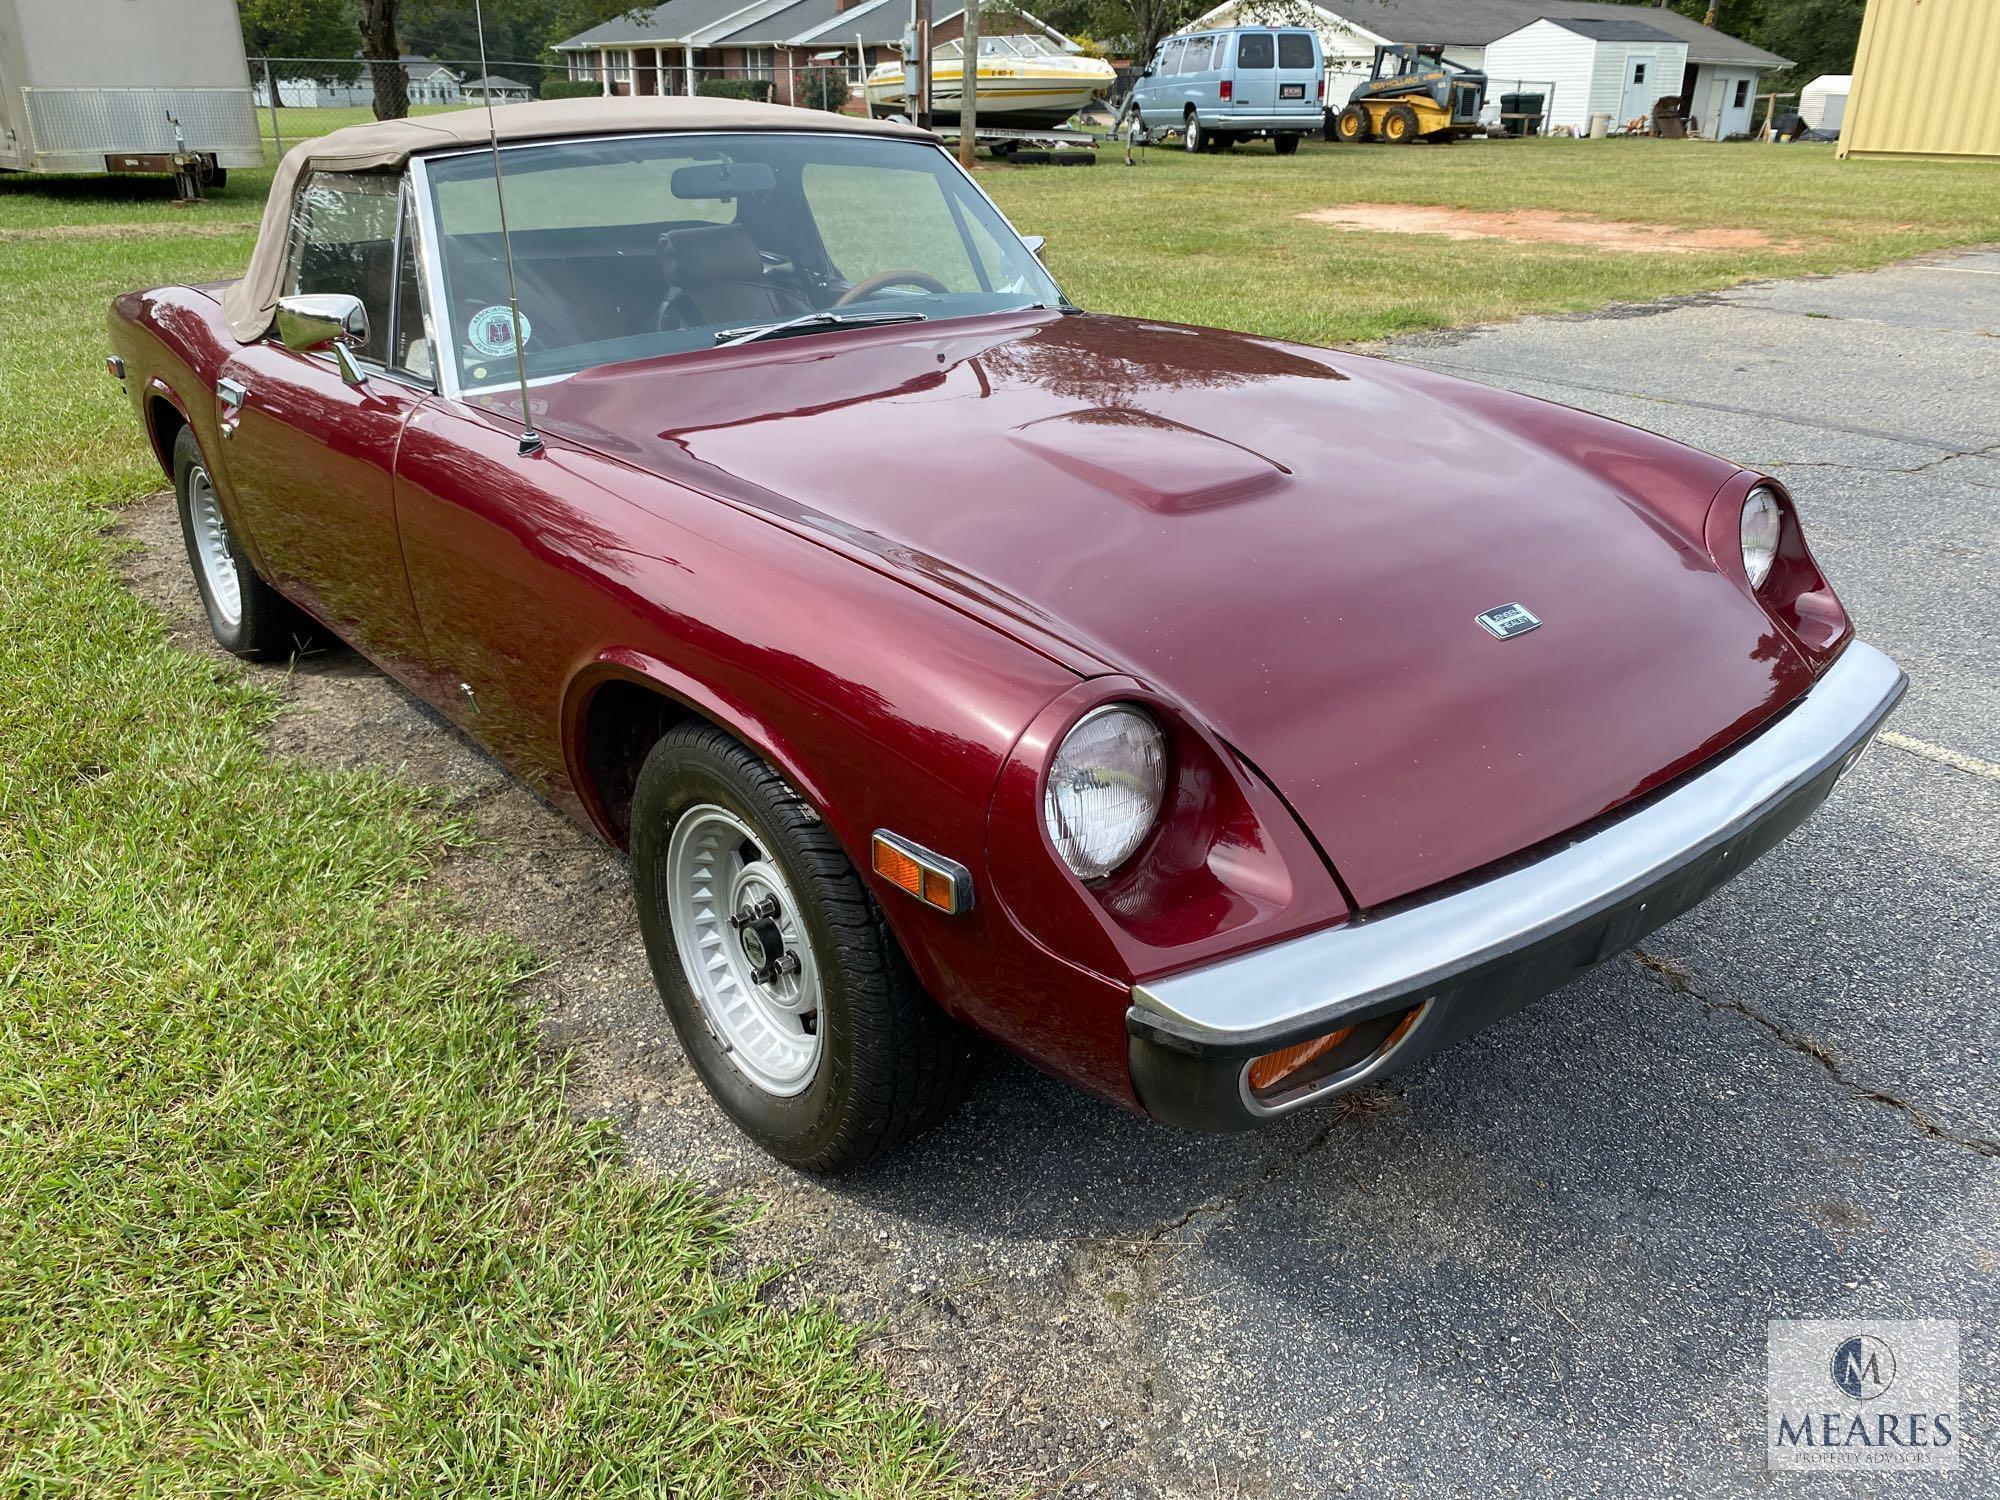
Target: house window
column 1742, row 92
column 760, row 62
column 1638, row 72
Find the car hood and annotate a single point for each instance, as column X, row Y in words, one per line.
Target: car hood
column 1296, row 544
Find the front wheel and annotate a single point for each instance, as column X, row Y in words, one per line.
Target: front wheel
column 249, row 618
column 776, row 967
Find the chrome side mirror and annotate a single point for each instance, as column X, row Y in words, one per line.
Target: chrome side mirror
column 1036, row 245
column 310, row 322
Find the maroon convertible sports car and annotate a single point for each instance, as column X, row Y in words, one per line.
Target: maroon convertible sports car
column 1217, row 722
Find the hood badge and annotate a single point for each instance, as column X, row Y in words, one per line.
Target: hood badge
column 1506, row 621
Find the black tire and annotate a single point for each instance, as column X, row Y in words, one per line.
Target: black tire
column 1399, row 125
column 1221, row 140
column 267, row 626
column 1352, row 124
column 891, row 1063
column 1192, row 135
column 1285, row 145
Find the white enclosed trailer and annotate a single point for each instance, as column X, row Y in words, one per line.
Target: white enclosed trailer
column 98, row 86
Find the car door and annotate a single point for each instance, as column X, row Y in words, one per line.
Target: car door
column 1300, row 83
column 1159, row 105
column 310, row 459
column 1256, row 77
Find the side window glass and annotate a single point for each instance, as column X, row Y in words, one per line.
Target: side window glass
column 344, row 240
column 412, row 329
column 1175, row 51
column 1295, row 49
column 1254, row 49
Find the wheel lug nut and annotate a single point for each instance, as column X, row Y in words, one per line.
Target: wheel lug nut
column 760, row 910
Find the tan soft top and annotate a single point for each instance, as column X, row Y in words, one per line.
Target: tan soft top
column 249, row 304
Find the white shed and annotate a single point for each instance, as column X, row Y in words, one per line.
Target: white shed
column 1595, row 67
column 1823, row 102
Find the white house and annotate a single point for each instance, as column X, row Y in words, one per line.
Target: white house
column 671, row 48
column 1823, row 102
column 429, row 83
column 1592, row 67
column 1717, row 85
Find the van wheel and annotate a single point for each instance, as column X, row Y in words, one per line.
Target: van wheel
column 793, row 1000
column 248, row 617
column 1193, row 136
column 1285, row 145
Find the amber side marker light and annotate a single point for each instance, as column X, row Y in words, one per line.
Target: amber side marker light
column 942, row 883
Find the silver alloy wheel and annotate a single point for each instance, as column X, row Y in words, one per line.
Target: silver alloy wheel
column 211, row 545
column 1191, row 137
column 730, row 906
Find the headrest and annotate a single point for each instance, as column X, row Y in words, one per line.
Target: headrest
column 720, row 252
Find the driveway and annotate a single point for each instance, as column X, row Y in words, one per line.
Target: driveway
column 1542, row 1262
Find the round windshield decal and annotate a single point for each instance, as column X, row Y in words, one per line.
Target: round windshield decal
column 491, row 330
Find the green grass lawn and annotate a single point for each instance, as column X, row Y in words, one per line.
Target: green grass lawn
column 1217, row 238
column 286, row 1205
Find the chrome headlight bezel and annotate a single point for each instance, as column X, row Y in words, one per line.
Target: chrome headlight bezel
column 1117, row 748
column 1759, row 530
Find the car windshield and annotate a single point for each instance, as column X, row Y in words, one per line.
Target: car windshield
column 643, row 245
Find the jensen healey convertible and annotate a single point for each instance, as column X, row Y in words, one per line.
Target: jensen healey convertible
column 1219, row 723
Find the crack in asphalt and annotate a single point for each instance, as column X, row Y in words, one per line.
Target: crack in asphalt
column 1342, row 1112
column 1678, row 979
column 1991, row 451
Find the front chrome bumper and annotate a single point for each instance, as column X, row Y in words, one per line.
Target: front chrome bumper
column 1473, row 952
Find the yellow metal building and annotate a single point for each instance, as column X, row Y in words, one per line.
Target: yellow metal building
column 1926, row 81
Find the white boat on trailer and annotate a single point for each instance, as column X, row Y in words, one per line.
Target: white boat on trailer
column 1025, row 83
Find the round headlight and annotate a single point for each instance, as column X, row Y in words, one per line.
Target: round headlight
column 1105, row 787
column 1760, row 535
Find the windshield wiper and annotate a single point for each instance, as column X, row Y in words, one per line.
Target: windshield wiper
column 814, row 320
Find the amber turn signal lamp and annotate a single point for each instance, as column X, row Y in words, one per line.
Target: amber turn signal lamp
column 1273, row 1068
column 941, row 883
column 1321, row 1058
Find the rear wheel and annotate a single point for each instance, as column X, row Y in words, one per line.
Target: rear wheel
column 788, row 991
column 1399, row 124
column 1193, row 136
column 1351, row 124
column 1285, row 145
column 248, row 617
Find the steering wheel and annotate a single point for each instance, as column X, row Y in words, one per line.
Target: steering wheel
column 868, row 286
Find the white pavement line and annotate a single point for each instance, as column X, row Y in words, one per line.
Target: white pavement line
column 1972, row 765
column 1959, row 270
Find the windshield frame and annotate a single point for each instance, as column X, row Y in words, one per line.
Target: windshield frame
column 431, row 259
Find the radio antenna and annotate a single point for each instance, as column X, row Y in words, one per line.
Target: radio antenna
column 531, row 440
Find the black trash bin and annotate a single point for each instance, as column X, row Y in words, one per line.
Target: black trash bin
column 1521, row 114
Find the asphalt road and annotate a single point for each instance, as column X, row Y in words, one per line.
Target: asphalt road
column 1540, row 1263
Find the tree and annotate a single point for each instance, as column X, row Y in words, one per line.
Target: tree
column 317, row 34
column 384, row 53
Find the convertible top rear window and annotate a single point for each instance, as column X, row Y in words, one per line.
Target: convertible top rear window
column 633, row 246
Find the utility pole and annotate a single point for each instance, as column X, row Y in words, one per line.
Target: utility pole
column 919, row 104
column 968, row 87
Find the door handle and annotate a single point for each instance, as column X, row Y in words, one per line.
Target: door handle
column 230, row 395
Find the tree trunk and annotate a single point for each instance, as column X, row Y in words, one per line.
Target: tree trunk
column 380, row 47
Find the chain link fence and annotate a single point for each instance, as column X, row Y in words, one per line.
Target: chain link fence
column 298, row 98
